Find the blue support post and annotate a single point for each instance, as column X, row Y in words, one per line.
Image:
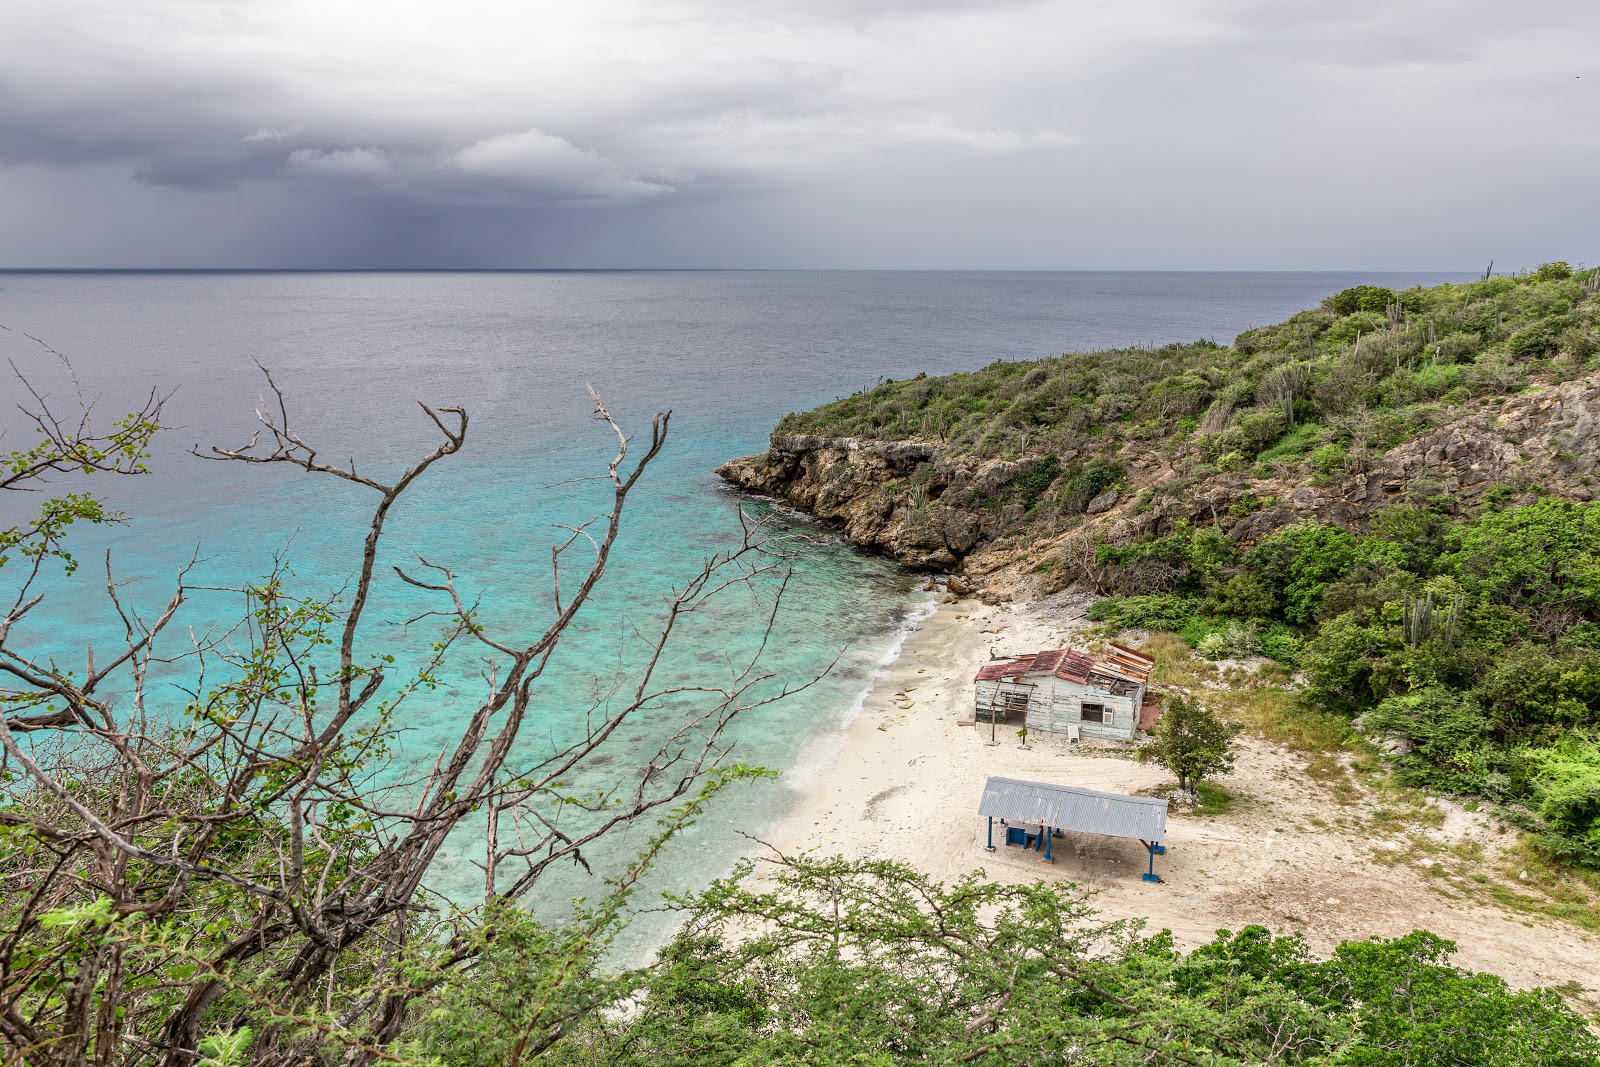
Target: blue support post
column 990, row 845
column 1161, row 850
column 1045, row 832
column 1151, row 875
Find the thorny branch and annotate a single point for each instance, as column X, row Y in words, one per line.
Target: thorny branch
column 285, row 820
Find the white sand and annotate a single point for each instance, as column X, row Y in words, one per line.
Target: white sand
column 905, row 785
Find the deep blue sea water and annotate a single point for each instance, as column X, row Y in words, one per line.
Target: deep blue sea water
column 727, row 352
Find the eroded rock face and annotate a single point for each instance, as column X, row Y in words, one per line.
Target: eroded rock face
column 1547, row 439
column 868, row 488
column 925, row 508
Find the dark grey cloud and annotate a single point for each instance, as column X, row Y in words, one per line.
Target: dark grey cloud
column 1185, row 133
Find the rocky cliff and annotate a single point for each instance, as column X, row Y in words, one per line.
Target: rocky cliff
column 926, row 507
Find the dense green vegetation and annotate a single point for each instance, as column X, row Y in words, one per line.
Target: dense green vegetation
column 1475, row 639
column 837, row 962
column 1311, row 397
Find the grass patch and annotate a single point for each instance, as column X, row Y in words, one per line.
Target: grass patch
column 1297, row 441
column 1540, row 885
column 1525, row 882
column 1214, row 799
column 1257, row 700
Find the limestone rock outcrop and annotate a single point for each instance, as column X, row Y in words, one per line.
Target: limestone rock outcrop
column 926, row 508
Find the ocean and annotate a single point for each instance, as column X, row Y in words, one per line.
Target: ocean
column 727, row 352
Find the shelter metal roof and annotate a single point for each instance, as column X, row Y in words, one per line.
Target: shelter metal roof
column 1069, row 807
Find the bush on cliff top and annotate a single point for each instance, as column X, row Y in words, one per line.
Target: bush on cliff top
column 1363, row 369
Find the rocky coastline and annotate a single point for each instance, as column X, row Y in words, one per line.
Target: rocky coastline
column 928, row 508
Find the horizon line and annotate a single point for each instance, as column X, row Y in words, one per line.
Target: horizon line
column 742, row 270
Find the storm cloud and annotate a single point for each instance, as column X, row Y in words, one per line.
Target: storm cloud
column 896, row 133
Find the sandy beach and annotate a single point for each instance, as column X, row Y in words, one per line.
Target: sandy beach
column 1289, row 854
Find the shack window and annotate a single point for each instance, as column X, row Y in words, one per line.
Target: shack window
column 1095, row 713
column 1011, row 700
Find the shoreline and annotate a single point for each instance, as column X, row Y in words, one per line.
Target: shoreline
column 903, row 779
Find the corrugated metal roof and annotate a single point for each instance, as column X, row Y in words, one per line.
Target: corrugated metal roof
column 1075, row 666
column 1046, row 661
column 1072, row 665
column 1129, row 662
column 1003, row 669
column 1068, row 807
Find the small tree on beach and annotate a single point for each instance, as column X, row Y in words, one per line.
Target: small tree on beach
column 1192, row 743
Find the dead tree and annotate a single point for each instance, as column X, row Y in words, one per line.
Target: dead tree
column 247, row 870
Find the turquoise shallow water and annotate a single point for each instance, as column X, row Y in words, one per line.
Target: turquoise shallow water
column 728, row 352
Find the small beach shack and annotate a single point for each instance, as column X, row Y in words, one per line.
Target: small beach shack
column 1031, row 813
column 1069, row 692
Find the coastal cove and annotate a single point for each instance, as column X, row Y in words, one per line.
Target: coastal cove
column 1294, row 852
column 729, row 353
column 1356, row 547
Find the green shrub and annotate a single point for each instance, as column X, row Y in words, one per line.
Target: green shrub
column 1537, row 340
column 1418, row 532
column 1087, row 482
column 1186, row 559
column 1554, row 271
column 1027, row 487
column 1300, row 561
column 1295, row 442
column 1362, row 298
column 1456, row 348
column 1437, row 379
column 1243, row 596
column 1236, row 640
column 1329, row 460
column 1343, row 661
column 1158, row 611
column 1253, row 431
column 1360, row 324
column 1280, row 643
column 1181, row 394
column 1249, row 504
column 1450, row 733
column 1538, row 559
column 1566, row 798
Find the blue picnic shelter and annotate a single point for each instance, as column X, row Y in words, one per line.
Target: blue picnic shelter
column 1031, row 813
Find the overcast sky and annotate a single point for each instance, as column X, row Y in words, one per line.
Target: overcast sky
column 1117, row 134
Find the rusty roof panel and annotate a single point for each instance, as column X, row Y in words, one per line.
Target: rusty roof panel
column 1126, row 661
column 1003, row 669
column 1149, row 714
column 1046, row 661
column 1075, row 666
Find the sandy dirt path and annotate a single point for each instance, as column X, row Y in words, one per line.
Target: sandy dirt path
column 905, row 785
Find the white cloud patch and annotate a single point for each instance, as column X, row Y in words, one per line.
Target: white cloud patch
column 554, row 166
column 354, row 162
column 271, row 133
